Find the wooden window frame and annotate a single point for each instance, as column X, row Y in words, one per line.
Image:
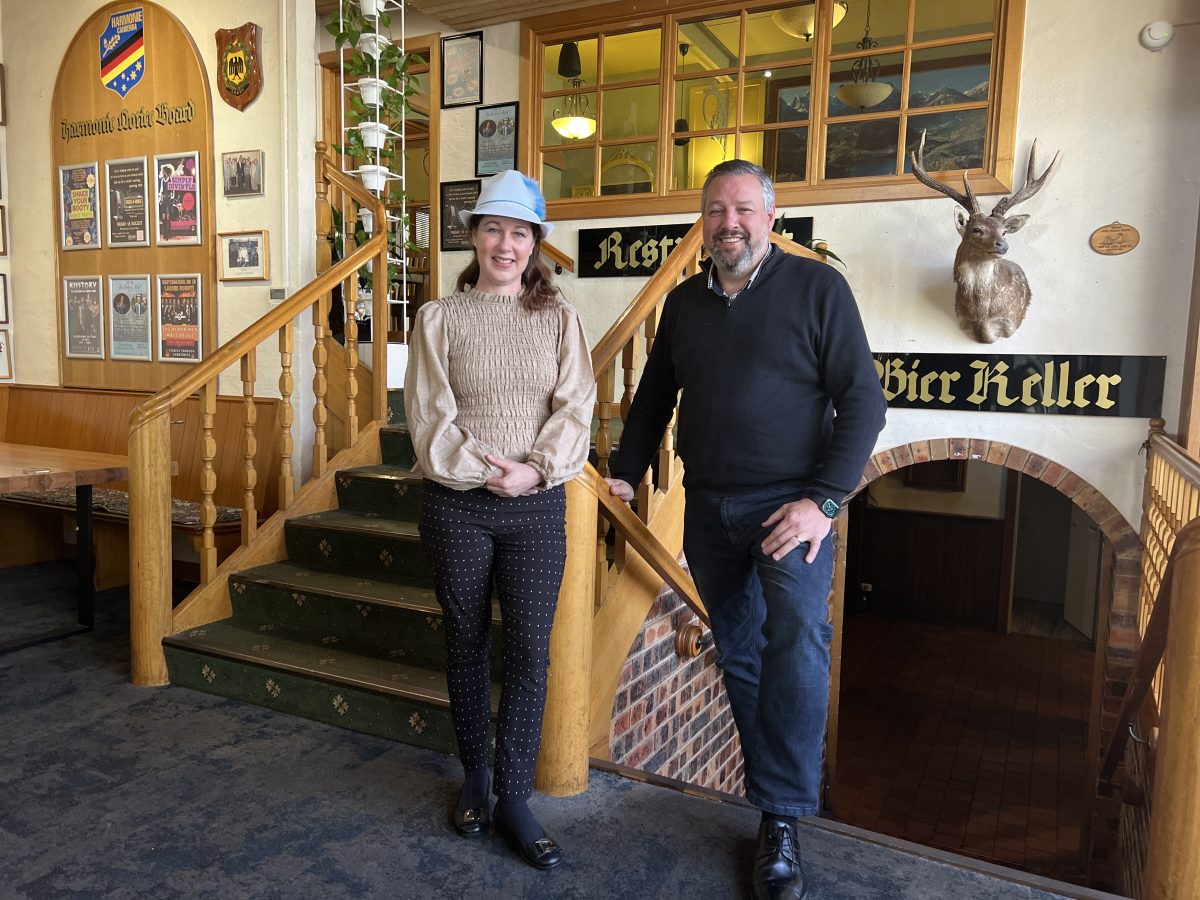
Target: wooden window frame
column 995, row 177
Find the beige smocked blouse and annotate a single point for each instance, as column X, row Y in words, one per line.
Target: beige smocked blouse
column 485, row 376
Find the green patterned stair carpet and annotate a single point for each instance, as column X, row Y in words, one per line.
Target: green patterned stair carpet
column 346, row 630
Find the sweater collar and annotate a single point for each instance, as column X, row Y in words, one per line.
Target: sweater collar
column 474, row 294
column 714, row 283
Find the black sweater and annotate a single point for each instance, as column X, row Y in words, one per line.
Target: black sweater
column 761, row 378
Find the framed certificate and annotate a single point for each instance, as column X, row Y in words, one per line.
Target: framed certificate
column 128, row 223
column 179, row 318
column 79, row 206
column 83, row 317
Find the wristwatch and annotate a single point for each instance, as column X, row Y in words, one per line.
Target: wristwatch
column 830, row 508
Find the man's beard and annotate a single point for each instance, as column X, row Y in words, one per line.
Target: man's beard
column 735, row 263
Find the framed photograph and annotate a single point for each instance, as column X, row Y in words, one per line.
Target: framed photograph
column 457, row 196
column 3, row 231
column 177, row 305
column 495, row 138
column 6, row 360
column 83, row 317
column 128, row 219
column 5, row 312
column 129, row 317
column 244, row 256
column 242, row 173
column 937, row 475
column 3, row 101
column 177, row 198
column 462, row 69
column 79, row 206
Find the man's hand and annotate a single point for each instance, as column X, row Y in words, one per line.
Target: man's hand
column 619, row 488
column 795, row 523
column 516, row 479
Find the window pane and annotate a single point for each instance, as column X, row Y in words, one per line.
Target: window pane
column 954, row 74
column 954, row 140
column 847, row 98
column 712, row 44
column 695, row 157
column 583, row 104
column 776, row 35
column 633, row 56
column 860, row 149
column 889, row 22
column 784, row 153
column 776, row 96
column 706, row 103
column 628, row 169
column 416, row 174
column 950, row 18
column 553, row 81
column 569, row 173
column 631, row 112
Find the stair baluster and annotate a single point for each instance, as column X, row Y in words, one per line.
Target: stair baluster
column 208, row 482
column 287, row 486
column 320, row 415
column 249, row 447
column 351, row 334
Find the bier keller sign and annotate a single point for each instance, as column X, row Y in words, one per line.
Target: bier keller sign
column 1054, row 384
column 638, row 250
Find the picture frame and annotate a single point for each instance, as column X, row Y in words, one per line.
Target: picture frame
column 130, row 329
column 455, row 197
column 937, row 475
column 3, row 99
column 244, row 255
column 6, row 360
column 496, row 130
column 79, row 206
column 83, row 316
column 180, row 317
column 127, row 186
column 177, row 198
column 462, row 69
column 3, row 231
column 242, row 173
column 5, row 303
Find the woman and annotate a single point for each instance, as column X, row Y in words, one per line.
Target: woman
column 498, row 397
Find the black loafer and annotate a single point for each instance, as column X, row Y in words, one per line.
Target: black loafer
column 473, row 822
column 777, row 871
column 541, row 854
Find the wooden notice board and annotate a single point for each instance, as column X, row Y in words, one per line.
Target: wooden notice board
column 132, row 88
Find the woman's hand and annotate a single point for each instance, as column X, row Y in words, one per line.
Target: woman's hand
column 516, row 479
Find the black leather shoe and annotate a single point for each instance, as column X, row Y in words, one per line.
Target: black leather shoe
column 473, row 822
column 777, row 871
column 541, row 854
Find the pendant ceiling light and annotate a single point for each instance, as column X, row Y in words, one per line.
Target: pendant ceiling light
column 799, row 21
column 572, row 120
column 865, row 90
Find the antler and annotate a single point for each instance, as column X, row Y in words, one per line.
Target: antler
column 967, row 201
column 1030, row 187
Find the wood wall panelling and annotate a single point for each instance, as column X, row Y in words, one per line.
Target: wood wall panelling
column 168, row 111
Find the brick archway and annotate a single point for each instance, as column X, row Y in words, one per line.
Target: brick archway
column 1117, row 636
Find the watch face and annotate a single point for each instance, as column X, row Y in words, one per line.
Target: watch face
column 830, row 508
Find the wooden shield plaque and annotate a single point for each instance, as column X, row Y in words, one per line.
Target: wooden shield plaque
column 239, row 64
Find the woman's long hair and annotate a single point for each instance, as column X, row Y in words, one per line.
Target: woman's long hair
column 538, row 291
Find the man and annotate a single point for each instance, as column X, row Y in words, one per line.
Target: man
column 766, row 347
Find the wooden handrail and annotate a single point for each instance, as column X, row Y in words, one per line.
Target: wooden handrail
column 558, row 256
column 642, row 540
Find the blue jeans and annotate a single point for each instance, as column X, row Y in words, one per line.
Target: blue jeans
column 770, row 624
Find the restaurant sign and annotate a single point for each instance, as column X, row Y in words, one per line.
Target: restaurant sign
column 1045, row 383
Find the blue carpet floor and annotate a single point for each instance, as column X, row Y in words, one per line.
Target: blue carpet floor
column 108, row 790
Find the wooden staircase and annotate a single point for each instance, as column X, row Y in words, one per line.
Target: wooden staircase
column 346, row 630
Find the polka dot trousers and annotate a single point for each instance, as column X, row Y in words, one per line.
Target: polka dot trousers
column 476, row 539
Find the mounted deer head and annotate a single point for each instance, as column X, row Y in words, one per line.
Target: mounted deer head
column 993, row 293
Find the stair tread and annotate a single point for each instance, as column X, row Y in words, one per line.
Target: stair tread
column 362, row 523
column 385, row 471
column 296, row 577
column 320, row 662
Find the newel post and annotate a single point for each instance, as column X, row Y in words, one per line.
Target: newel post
column 149, row 548
column 563, row 764
column 1172, row 864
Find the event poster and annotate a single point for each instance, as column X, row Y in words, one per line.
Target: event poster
column 178, row 197
column 129, row 316
column 83, row 316
column 179, row 318
column 128, row 225
column 80, row 207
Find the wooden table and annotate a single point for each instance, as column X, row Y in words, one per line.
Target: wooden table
column 24, row 467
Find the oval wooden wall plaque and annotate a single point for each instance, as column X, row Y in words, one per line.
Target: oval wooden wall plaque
column 1114, row 239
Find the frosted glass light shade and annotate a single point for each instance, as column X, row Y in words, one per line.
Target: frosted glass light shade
column 574, row 128
column 864, row 94
column 799, row 21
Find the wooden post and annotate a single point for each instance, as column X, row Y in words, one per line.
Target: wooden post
column 563, row 764
column 149, row 548
column 1172, row 864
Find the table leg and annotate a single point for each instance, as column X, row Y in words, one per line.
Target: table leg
column 84, row 554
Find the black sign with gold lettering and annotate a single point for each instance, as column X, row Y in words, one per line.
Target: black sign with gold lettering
column 1062, row 385
column 638, row 251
